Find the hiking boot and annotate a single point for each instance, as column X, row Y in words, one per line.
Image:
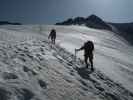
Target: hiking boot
column 92, row 69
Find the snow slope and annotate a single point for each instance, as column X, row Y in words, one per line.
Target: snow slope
column 33, row 69
column 113, row 54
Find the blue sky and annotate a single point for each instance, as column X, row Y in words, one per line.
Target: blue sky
column 52, row 11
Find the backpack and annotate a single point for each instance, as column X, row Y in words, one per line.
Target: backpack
column 89, row 45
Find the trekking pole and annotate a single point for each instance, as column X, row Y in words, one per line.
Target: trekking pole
column 49, row 42
column 75, row 56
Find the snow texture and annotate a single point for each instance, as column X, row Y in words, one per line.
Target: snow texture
column 31, row 68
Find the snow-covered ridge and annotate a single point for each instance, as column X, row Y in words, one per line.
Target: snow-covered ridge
column 32, row 69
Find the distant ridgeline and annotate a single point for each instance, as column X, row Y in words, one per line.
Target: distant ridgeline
column 125, row 30
column 9, row 23
column 92, row 21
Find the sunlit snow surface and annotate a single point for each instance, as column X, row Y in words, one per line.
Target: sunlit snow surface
column 113, row 55
column 32, row 69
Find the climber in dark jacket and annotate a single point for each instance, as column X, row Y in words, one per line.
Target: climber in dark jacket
column 52, row 36
column 88, row 48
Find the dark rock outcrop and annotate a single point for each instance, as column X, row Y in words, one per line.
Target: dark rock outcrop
column 125, row 30
column 92, row 21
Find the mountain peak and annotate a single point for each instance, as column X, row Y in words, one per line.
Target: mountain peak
column 92, row 17
column 95, row 19
column 92, row 21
